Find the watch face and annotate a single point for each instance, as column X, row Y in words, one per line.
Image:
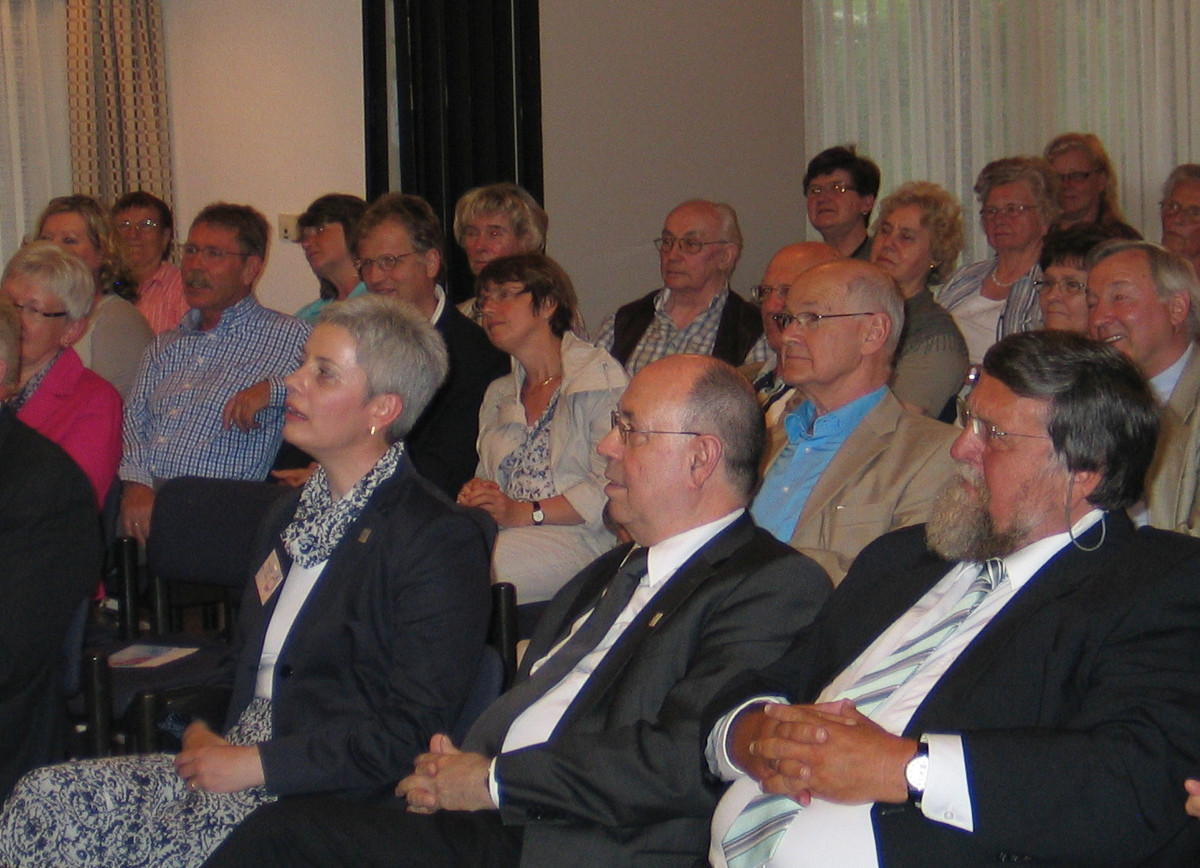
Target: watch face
column 916, row 772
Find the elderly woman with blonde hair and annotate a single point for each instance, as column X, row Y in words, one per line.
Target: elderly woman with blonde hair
column 917, row 239
column 117, row 334
column 1087, row 184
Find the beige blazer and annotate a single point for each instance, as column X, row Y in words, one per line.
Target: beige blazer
column 885, row 476
column 1171, row 495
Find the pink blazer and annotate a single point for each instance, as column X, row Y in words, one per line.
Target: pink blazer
column 81, row 412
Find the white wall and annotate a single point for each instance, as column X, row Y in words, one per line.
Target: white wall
column 266, row 109
column 646, row 104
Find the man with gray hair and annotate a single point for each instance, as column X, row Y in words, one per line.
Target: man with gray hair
column 1014, row 682
column 1145, row 301
column 695, row 311
column 849, row 463
column 49, row 563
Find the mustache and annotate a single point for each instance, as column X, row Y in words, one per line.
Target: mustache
column 196, row 280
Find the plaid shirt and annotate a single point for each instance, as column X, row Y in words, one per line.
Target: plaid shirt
column 173, row 416
column 664, row 338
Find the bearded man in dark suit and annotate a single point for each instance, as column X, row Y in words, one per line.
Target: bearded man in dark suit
column 1016, row 681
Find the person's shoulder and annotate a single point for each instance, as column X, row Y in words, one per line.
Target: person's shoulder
column 269, row 318
column 98, row 390
column 589, row 367
column 28, row 456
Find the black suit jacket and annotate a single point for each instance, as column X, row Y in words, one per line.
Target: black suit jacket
column 619, row 781
column 385, row 648
column 442, row 443
column 1078, row 705
column 50, row 559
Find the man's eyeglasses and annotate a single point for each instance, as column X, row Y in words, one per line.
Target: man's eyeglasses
column 211, row 254
column 809, row 321
column 33, row 311
column 763, row 291
column 1010, row 210
column 1068, row 286
column 686, row 245
column 497, row 296
column 1076, row 177
column 386, row 263
column 985, row 430
column 309, row 232
column 129, row 226
column 1171, row 208
column 625, row 430
column 815, row 190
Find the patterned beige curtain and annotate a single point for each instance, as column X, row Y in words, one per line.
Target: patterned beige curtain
column 120, row 131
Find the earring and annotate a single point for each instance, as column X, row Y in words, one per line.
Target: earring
column 372, row 430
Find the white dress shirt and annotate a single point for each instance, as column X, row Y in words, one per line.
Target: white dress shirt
column 292, row 596
column 825, row 833
column 535, row 724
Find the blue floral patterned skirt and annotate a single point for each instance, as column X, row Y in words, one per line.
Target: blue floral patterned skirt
column 125, row 811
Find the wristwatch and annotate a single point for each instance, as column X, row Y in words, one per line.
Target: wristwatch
column 539, row 517
column 916, row 771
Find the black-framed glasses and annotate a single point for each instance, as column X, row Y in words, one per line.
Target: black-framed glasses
column 1067, row 285
column 985, row 430
column 625, row 430
column 211, row 254
column 33, row 311
column 1012, row 209
column 764, row 291
column 131, row 226
column 809, row 321
column 499, row 295
column 815, row 190
column 1075, row 177
column 686, row 244
column 386, row 263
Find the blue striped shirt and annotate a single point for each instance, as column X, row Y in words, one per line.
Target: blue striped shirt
column 173, row 421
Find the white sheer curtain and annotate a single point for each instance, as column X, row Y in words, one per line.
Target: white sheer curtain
column 935, row 89
column 35, row 147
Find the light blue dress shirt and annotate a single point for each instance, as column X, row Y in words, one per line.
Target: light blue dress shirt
column 812, row 442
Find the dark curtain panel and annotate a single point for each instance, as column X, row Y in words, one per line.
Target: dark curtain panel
column 467, row 107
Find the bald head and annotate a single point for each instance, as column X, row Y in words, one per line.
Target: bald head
column 847, row 351
column 695, row 437
column 782, row 271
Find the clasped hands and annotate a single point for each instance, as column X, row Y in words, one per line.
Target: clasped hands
column 448, row 779
column 829, row 751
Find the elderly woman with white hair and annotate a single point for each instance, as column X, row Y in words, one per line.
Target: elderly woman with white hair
column 359, row 635
column 56, row 395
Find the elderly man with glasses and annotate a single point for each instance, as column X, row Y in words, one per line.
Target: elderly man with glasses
column 695, row 311
column 849, row 463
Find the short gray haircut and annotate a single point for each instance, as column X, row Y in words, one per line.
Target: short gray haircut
column 722, row 402
column 399, row 350
column 1034, row 171
column 1181, row 174
column 10, row 343
column 63, row 275
column 1170, row 272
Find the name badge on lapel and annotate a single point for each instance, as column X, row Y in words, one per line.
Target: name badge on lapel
column 268, row 577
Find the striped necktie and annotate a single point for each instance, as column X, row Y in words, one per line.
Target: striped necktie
column 755, row 835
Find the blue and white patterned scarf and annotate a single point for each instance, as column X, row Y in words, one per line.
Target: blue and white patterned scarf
column 319, row 523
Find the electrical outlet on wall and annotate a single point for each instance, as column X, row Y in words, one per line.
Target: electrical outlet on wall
column 289, row 227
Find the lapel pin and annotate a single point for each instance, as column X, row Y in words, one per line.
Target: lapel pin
column 365, row 535
column 654, row 621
